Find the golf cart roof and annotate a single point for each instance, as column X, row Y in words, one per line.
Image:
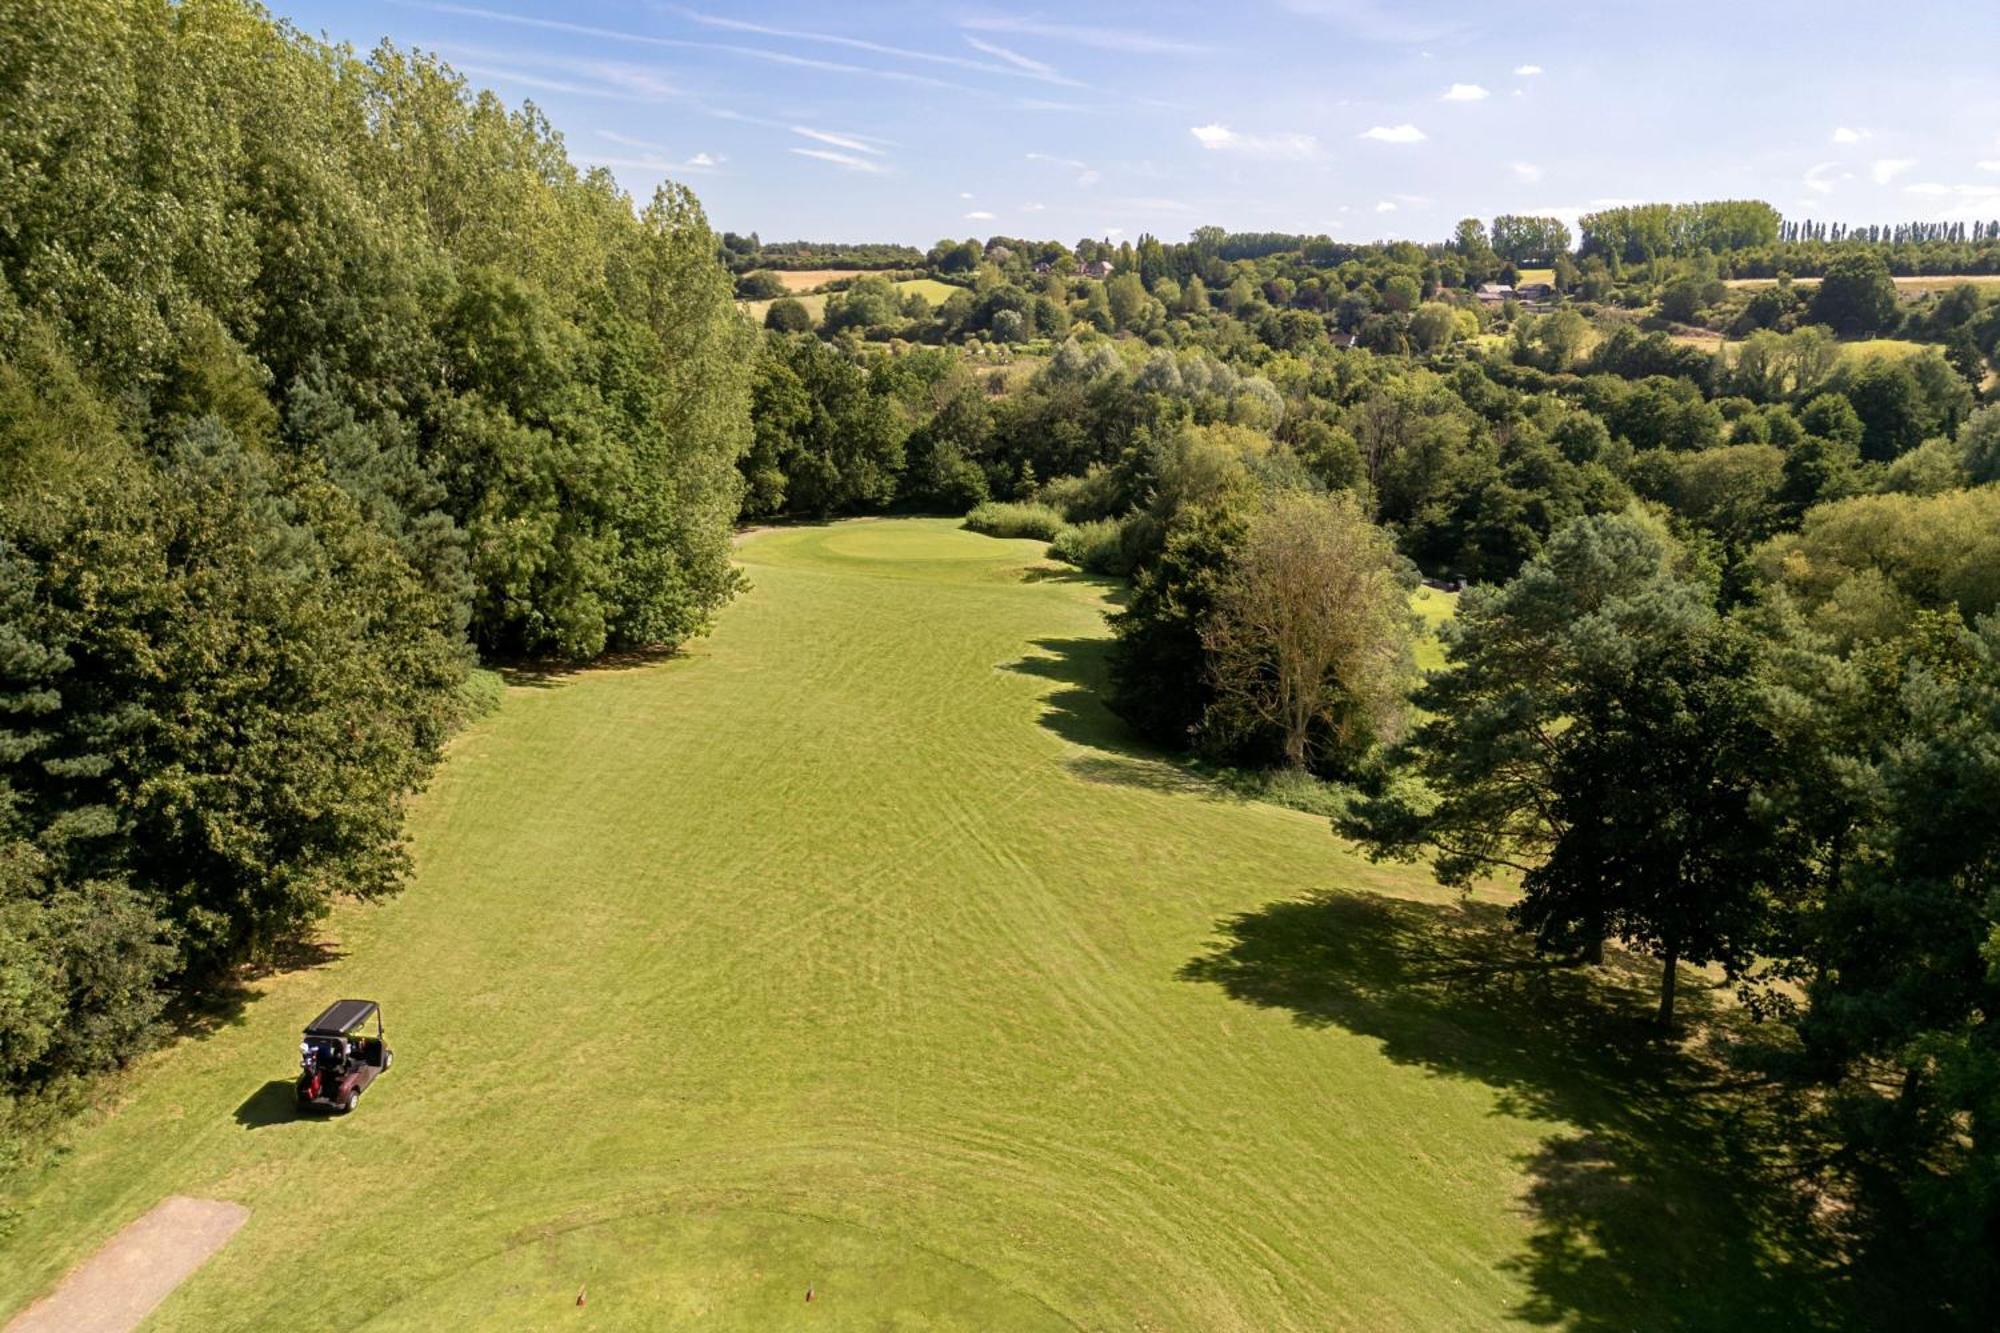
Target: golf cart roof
column 342, row 1017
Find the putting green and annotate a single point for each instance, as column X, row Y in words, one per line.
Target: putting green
column 858, row 949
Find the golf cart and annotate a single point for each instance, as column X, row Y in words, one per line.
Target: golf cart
column 338, row 1059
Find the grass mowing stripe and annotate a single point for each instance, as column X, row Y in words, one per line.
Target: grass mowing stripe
column 860, row 948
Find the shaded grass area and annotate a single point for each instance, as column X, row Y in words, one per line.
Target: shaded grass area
column 860, row 948
column 1668, row 1201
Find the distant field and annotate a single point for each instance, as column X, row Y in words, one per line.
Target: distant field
column 937, row 293
column 815, row 307
column 934, row 291
column 1930, row 284
column 1531, row 275
column 805, row 279
column 1865, row 349
column 1894, row 349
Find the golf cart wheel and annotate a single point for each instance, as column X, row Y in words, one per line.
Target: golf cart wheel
column 388, row 1058
column 347, row 1102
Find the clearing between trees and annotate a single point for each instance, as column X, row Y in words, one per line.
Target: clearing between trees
column 859, row 950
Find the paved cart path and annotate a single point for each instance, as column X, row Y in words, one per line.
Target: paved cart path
column 114, row 1289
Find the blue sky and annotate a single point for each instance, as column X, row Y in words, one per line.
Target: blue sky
column 1362, row 119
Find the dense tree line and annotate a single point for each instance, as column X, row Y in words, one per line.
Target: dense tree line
column 743, row 253
column 317, row 376
column 1898, row 233
column 1642, row 231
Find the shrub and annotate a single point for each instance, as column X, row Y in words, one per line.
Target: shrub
column 1097, row 494
column 763, row 285
column 1000, row 519
column 1097, row 546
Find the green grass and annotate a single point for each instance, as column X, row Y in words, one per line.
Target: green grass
column 1883, row 349
column 815, row 304
column 860, row 947
column 1433, row 606
column 934, row 291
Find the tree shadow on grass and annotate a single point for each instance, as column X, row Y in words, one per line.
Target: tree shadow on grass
column 222, row 1004
column 1080, row 716
column 548, row 673
column 1114, row 590
column 1669, row 1204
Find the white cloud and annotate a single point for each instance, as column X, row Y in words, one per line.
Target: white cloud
column 1527, row 71
column 1110, row 232
column 1990, row 164
column 654, row 157
column 1821, row 177
column 1843, row 134
column 1465, row 92
column 854, row 143
column 1888, row 168
column 1132, row 40
column 847, row 160
column 627, row 141
column 979, row 215
column 749, row 52
column 1404, row 133
column 1526, row 172
column 1017, row 65
column 506, row 74
column 1385, row 206
column 1041, row 69
column 1220, row 138
column 1939, row 189
column 1086, row 175
column 965, row 194
column 1033, row 208
column 1378, row 20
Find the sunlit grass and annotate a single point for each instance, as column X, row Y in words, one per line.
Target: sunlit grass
column 861, row 949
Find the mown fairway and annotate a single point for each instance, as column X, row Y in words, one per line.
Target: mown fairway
column 858, row 949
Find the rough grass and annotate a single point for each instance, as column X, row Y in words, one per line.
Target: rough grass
column 1001, row 518
column 1095, row 545
column 859, row 947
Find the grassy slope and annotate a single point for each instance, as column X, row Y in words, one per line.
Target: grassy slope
column 858, row 949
